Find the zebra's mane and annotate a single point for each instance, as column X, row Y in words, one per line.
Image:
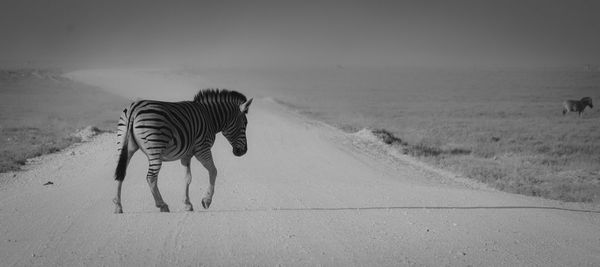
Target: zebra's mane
column 219, row 96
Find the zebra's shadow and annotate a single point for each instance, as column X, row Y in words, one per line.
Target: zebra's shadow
column 390, row 208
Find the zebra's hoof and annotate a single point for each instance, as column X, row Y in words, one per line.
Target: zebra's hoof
column 206, row 202
column 164, row 208
column 189, row 207
column 118, row 207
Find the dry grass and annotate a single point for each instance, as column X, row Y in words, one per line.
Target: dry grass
column 40, row 110
column 534, row 152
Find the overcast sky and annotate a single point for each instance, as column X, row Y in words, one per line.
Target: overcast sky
column 273, row 33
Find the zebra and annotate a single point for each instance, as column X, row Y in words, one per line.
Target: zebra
column 169, row 131
column 577, row 105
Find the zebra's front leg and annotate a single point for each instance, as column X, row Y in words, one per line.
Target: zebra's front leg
column 207, row 162
column 152, row 178
column 188, row 180
column 207, row 199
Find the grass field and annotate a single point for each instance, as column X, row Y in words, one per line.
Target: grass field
column 501, row 127
column 40, row 111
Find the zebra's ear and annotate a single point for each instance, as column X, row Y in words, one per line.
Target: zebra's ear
column 244, row 107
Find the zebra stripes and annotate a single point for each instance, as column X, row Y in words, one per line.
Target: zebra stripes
column 168, row 131
column 577, row 105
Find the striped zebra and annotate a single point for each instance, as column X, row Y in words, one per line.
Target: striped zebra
column 168, row 131
column 577, row 105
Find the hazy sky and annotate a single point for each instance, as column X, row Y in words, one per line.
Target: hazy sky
column 242, row 33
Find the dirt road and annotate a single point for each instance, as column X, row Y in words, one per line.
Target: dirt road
column 305, row 194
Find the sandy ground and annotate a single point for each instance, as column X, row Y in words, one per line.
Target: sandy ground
column 305, row 194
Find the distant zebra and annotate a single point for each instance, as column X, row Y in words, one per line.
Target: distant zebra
column 577, row 105
column 168, row 131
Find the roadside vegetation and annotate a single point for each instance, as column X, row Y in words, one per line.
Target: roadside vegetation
column 554, row 163
column 40, row 112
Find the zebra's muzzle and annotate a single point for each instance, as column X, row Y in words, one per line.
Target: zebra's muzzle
column 238, row 152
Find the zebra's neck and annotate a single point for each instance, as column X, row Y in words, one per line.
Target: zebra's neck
column 218, row 115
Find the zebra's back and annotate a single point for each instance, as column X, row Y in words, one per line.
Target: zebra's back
column 169, row 130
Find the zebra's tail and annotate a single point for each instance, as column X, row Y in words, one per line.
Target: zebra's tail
column 121, row 170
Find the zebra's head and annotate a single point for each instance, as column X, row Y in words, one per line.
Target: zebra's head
column 587, row 101
column 235, row 132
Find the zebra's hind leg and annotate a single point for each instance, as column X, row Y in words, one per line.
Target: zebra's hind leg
column 188, row 179
column 132, row 148
column 117, row 199
column 152, row 178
